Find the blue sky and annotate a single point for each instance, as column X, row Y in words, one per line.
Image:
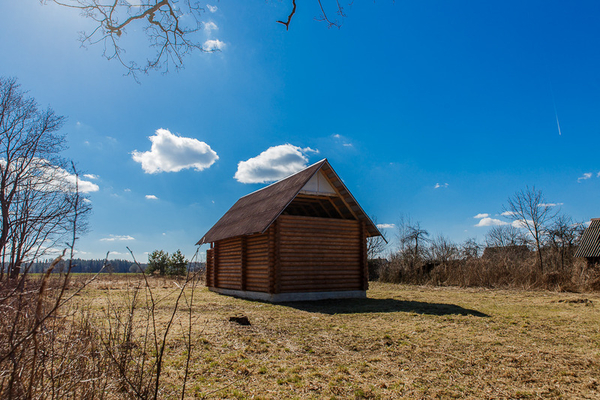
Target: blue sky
column 434, row 109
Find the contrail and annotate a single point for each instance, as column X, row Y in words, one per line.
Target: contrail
column 554, row 104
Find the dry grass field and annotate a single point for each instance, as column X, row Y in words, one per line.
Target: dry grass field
column 401, row 342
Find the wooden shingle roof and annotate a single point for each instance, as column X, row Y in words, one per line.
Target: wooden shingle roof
column 589, row 245
column 255, row 212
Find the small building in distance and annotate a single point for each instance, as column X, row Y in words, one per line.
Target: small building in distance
column 589, row 244
column 301, row 238
column 511, row 252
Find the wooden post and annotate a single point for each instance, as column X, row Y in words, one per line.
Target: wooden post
column 243, row 257
column 216, row 265
column 277, row 264
column 209, row 267
column 271, row 260
column 363, row 253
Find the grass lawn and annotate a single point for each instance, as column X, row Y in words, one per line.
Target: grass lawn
column 401, row 342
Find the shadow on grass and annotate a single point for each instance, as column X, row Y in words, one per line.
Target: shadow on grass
column 356, row 306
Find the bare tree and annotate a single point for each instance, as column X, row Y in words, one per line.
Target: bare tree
column 411, row 237
column 376, row 245
column 471, row 248
column 505, row 236
column 442, row 250
column 529, row 209
column 563, row 236
column 169, row 25
column 38, row 197
column 323, row 17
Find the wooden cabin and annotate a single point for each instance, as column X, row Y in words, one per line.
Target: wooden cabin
column 589, row 244
column 301, row 238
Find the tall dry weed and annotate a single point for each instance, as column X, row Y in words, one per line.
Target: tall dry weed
column 53, row 345
column 502, row 271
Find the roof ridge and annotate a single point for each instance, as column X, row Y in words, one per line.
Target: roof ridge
column 287, row 177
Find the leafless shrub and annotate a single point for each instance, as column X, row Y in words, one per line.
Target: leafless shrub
column 54, row 347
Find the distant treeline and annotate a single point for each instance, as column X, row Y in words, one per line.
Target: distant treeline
column 88, row 266
column 94, row 266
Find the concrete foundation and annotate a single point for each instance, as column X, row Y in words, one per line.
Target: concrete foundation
column 283, row 297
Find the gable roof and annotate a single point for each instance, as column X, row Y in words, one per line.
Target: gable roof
column 589, row 245
column 255, row 212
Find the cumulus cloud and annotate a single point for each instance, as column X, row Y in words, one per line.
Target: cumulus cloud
column 76, row 183
column 386, row 226
column 521, row 223
column 507, row 213
column 441, row 185
column 488, row 221
column 213, row 45
column 584, row 177
column 117, row 238
column 172, row 153
column 44, row 176
column 273, row 164
column 481, row 215
column 210, row 26
column 90, row 176
column 151, row 197
column 212, row 9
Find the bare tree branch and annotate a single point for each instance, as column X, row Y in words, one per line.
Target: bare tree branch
column 287, row 24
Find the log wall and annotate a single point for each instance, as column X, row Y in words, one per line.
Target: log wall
column 296, row 254
column 239, row 263
column 320, row 254
column 257, row 263
column 228, row 263
column 210, row 275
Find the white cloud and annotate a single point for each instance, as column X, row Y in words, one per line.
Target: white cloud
column 598, row 175
column 212, row 9
column 172, row 153
column 151, row 197
column 339, row 138
column 386, row 226
column 487, row 221
column 210, row 26
column 273, row 164
column 585, row 176
column 127, row 190
column 71, row 179
column 117, row 238
column 550, row 204
column 441, row 185
column 90, row 176
column 213, row 45
column 481, row 215
column 520, row 223
column 47, row 177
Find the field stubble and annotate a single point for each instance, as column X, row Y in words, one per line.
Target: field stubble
column 400, row 342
